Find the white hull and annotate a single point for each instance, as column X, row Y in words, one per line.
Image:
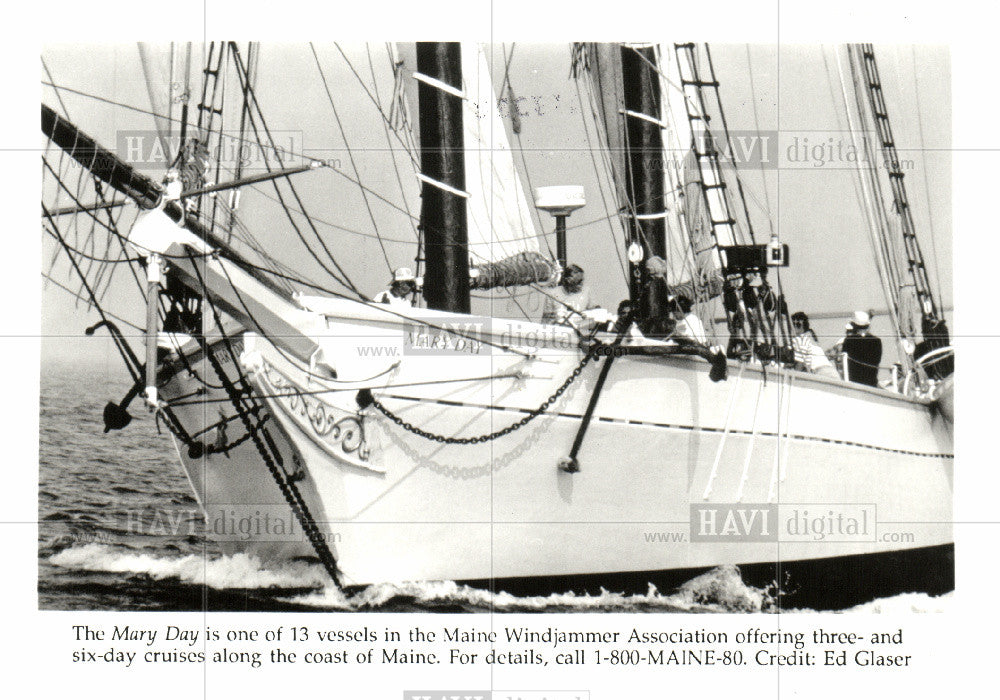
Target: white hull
column 402, row 507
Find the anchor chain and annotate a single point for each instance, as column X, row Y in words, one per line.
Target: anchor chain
column 287, row 488
column 489, row 437
column 197, row 448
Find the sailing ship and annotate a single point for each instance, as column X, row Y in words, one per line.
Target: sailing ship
column 426, row 442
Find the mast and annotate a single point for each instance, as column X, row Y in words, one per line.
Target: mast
column 644, row 144
column 443, row 208
column 901, row 204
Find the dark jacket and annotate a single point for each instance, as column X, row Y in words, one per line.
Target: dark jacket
column 864, row 352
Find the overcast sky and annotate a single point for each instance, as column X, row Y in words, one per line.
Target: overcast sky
column 796, row 90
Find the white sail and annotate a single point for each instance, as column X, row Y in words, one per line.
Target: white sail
column 499, row 216
column 500, row 223
column 164, row 86
column 685, row 233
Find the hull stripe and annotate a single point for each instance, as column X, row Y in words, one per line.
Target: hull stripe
column 706, row 429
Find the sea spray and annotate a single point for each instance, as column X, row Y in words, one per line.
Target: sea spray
column 238, row 571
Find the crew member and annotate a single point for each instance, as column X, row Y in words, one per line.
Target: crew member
column 809, row 356
column 567, row 303
column 688, row 323
column 401, row 290
column 863, row 351
column 935, row 334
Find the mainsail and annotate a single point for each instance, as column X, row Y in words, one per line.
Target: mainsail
column 500, row 224
column 499, row 216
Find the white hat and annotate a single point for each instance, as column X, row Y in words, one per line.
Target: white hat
column 860, row 319
column 403, row 274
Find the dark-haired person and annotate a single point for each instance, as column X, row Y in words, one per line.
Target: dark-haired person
column 565, row 304
column 936, row 336
column 809, row 356
column 688, row 323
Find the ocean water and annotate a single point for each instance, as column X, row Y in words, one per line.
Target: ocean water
column 89, row 558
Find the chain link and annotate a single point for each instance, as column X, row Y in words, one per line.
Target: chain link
column 197, row 448
column 488, row 437
column 288, row 489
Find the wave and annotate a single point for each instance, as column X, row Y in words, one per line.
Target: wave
column 306, row 585
column 907, row 603
column 238, row 571
column 719, row 590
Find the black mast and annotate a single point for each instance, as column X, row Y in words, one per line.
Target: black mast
column 645, row 173
column 443, row 211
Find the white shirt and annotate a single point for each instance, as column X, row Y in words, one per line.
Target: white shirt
column 692, row 327
column 809, row 353
column 562, row 307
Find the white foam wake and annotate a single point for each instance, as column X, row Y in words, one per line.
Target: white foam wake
column 907, row 603
column 224, row 572
column 719, row 590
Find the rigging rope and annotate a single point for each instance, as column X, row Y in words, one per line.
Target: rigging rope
column 725, row 131
column 342, row 278
column 926, row 179
column 387, row 131
column 496, row 434
column 756, row 122
column 241, row 142
column 875, row 215
column 91, row 257
column 80, row 297
column 385, row 117
column 350, row 154
column 512, row 106
column 608, row 174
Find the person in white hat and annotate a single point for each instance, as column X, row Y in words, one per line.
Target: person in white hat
column 863, row 350
column 401, row 289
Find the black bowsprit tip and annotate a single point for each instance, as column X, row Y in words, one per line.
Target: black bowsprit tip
column 570, row 465
column 364, row 398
